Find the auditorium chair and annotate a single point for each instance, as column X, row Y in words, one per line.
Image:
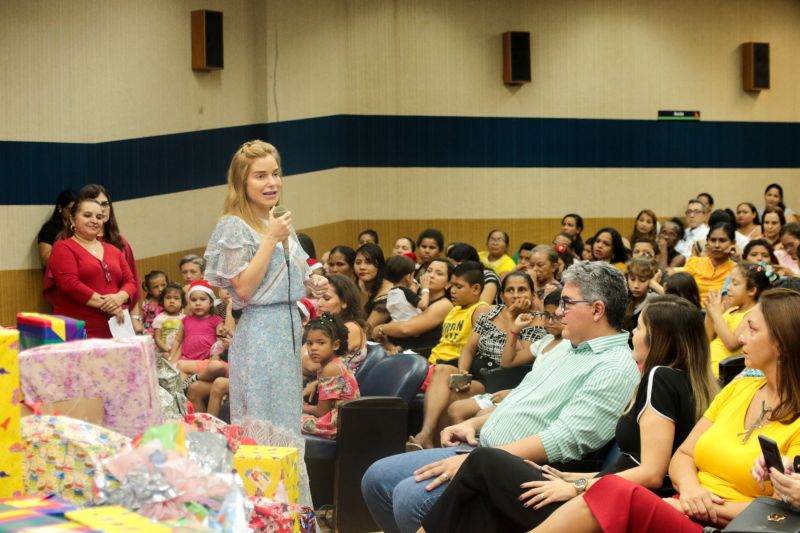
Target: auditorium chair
column 729, row 368
column 369, row 428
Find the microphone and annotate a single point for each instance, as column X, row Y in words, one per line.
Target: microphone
column 277, row 212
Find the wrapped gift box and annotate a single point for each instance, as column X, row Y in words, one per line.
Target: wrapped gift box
column 115, row 519
column 11, row 483
column 64, row 456
column 18, row 520
column 122, row 372
column 274, row 517
column 43, row 504
column 87, row 409
column 36, row 329
column 264, row 469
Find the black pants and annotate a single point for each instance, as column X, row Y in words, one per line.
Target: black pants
column 484, row 496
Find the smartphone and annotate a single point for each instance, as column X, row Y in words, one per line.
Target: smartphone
column 457, row 381
column 772, row 455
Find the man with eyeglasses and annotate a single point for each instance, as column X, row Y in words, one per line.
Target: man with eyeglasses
column 696, row 227
column 566, row 407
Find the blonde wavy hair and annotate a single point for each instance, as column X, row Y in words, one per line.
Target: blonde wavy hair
column 236, row 202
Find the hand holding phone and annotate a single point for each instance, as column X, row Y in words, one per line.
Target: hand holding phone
column 459, row 382
column 772, row 455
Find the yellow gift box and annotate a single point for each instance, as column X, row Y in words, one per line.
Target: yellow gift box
column 115, row 519
column 11, row 483
column 264, row 468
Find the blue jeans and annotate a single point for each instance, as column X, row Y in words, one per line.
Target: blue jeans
column 397, row 502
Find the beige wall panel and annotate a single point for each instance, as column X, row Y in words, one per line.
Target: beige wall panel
column 90, row 71
column 452, row 193
column 306, row 44
column 156, row 225
column 19, row 226
column 591, row 58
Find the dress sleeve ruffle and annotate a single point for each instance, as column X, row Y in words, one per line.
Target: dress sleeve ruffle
column 229, row 250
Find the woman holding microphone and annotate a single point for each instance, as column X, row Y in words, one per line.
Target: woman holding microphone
column 257, row 257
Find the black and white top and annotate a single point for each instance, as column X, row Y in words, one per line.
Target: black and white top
column 492, row 339
column 489, row 276
column 668, row 392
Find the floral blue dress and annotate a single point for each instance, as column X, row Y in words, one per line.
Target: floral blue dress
column 264, row 355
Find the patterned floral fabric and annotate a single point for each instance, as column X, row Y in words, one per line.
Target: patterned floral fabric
column 338, row 388
column 120, row 371
column 150, row 310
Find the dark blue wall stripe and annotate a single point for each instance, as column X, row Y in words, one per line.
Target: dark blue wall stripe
column 34, row 172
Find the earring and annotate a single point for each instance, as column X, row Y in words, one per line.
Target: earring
column 72, row 228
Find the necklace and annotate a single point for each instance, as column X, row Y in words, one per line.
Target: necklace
column 90, row 247
column 758, row 423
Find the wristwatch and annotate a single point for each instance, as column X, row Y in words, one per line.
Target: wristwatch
column 580, row 485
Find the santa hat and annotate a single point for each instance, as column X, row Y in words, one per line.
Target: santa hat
column 203, row 286
column 313, row 264
column 411, row 255
column 307, row 307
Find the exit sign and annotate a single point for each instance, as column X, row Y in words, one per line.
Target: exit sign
column 679, row 115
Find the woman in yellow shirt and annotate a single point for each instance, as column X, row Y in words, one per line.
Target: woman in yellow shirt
column 711, row 469
column 711, row 270
column 495, row 257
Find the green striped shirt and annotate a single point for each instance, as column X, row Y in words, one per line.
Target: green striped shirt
column 571, row 399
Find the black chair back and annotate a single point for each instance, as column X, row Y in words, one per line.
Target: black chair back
column 730, row 367
column 499, row 379
column 398, row 375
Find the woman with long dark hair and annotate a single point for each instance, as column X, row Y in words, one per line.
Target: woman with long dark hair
column 607, row 246
column 59, row 219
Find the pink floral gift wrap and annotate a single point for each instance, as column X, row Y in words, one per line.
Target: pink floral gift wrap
column 120, row 371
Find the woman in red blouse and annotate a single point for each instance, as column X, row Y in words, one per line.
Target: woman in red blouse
column 110, row 232
column 90, row 279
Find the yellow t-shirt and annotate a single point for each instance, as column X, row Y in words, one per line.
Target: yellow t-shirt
column 500, row 266
column 719, row 351
column 723, row 461
column 707, row 277
column 456, row 329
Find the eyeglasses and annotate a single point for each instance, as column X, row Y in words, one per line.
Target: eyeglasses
column 106, row 271
column 547, row 317
column 564, row 303
column 690, row 212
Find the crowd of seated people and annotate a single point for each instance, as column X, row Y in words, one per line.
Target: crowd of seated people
column 684, row 293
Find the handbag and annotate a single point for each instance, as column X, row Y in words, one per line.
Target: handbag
column 766, row 515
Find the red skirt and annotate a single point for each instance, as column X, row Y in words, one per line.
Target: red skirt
column 620, row 506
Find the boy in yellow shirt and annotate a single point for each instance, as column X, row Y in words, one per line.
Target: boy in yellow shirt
column 466, row 285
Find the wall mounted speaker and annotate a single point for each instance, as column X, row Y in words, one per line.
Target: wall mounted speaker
column 516, row 57
column 207, row 40
column 755, row 66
